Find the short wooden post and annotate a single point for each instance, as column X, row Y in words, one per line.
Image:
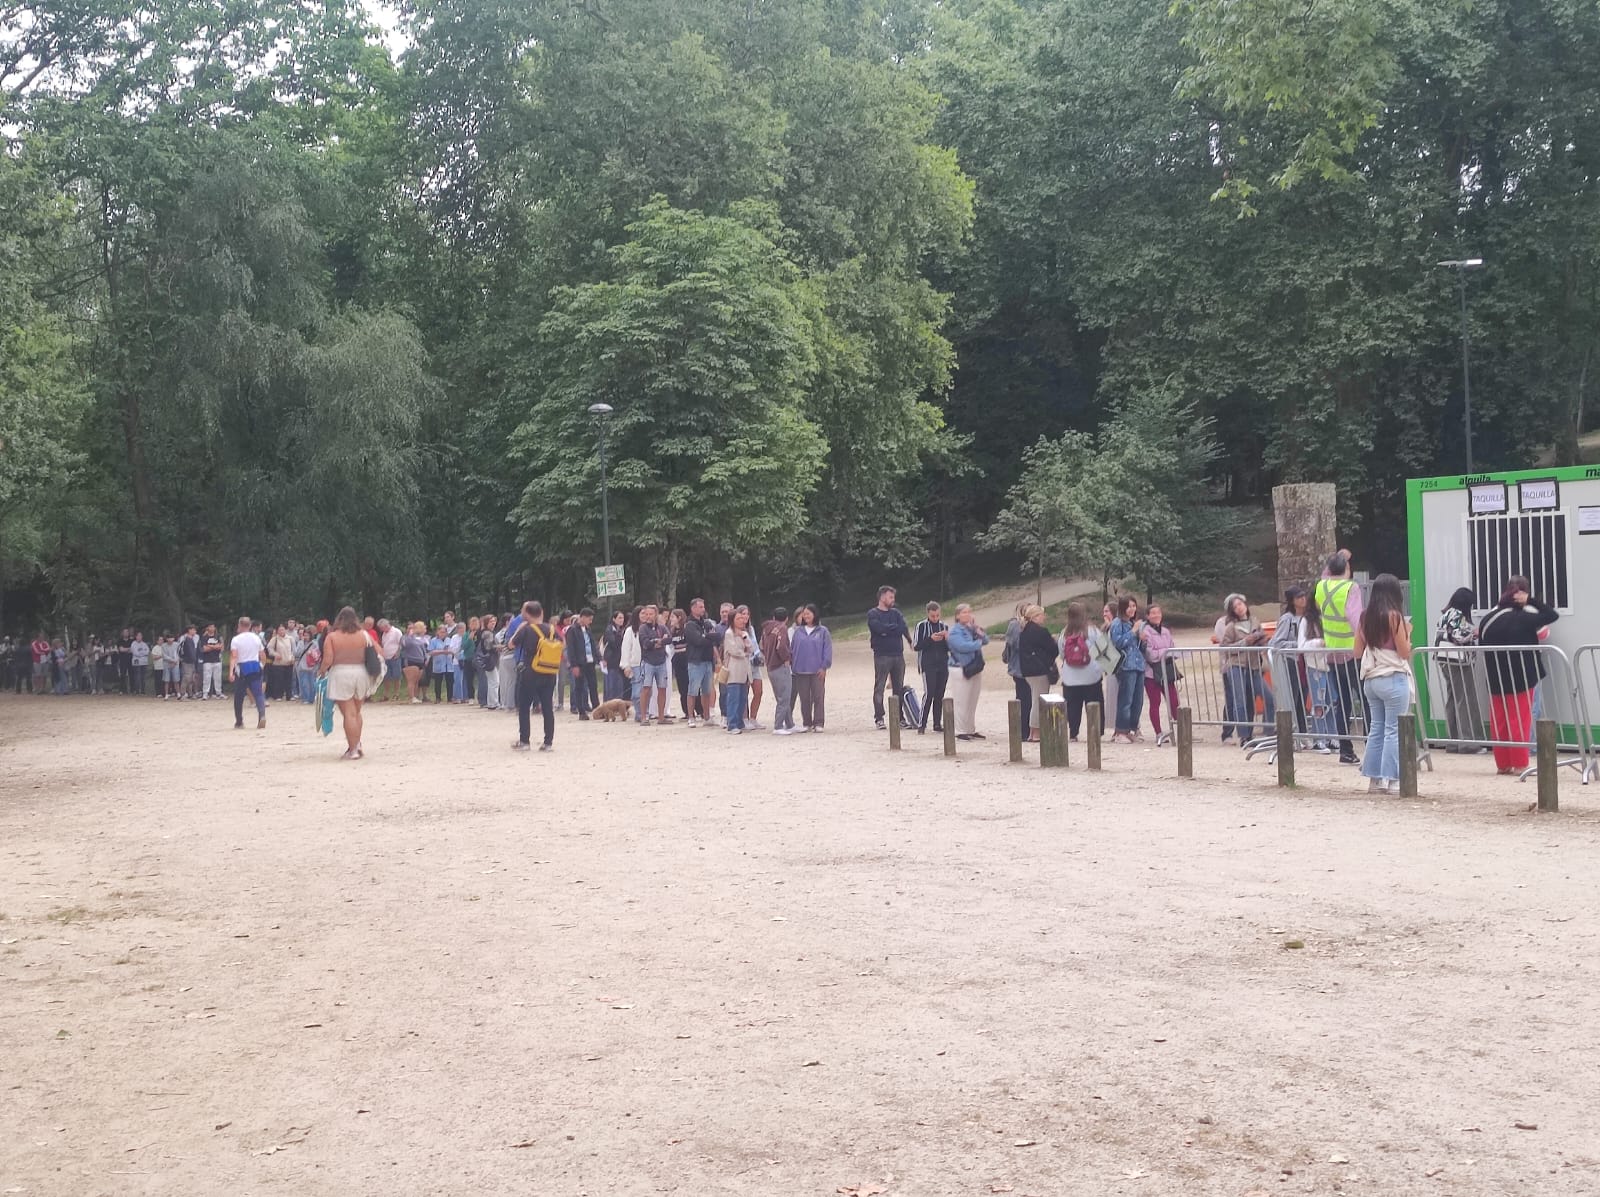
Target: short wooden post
column 1545, row 736
column 1408, row 756
column 1014, row 729
column 1052, row 715
column 1093, row 728
column 894, row 729
column 948, row 710
column 1185, row 742
column 1286, row 749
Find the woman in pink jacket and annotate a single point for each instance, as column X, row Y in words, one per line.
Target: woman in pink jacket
column 1160, row 670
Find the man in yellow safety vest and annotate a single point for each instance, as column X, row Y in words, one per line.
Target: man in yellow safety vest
column 1338, row 600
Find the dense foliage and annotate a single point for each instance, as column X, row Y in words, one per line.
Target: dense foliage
column 288, row 316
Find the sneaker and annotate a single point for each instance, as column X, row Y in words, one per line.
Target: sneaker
column 1391, row 787
column 783, row 731
column 1325, row 749
column 416, row 702
column 694, row 723
column 965, row 736
column 583, row 719
column 1377, row 787
column 547, row 748
column 261, row 723
column 1349, row 758
column 754, row 726
column 979, row 736
column 736, row 731
column 520, row 745
column 878, row 724
column 817, row 729
column 238, row 725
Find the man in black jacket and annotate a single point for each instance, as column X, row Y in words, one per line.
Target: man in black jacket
column 931, row 644
column 581, row 657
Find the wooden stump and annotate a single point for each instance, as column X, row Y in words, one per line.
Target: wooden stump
column 1185, row 742
column 894, row 730
column 1549, row 766
column 1286, row 749
column 948, row 712
column 1052, row 717
column 1014, row 729
column 1093, row 728
column 1408, row 756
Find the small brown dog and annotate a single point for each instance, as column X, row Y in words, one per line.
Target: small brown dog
column 610, row 712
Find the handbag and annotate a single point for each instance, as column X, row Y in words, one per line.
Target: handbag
column 973, row 667
column 722, row 675
column 374, row 661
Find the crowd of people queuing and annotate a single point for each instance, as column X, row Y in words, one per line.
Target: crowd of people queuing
column 1350, row 648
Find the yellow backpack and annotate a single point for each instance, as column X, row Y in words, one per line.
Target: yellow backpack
column 547, row 656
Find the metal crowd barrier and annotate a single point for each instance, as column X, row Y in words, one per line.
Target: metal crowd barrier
column 1322, row 689
column 1227, row 688
column 1485, row 697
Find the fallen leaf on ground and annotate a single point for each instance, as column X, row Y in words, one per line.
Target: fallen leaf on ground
column 524, row 1143
column 1526, row 1125
column 860, row 1190
column 1434, row 1173
column 1294, row 944
column 222, row 1126
column 811, row 1064
column 623, row 1006
column 1026, row 1143
column 1002, row 1188
column 1338, row 1159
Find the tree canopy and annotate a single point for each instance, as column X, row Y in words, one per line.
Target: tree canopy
column 296, row 308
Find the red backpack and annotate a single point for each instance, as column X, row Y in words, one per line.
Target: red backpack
column 1075, row 651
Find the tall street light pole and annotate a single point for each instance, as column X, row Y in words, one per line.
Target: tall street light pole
column 1461, row 266
column 602, row 412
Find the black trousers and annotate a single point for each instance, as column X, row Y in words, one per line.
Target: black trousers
column 585, row 691
column 1025, row 697
column 934, row 682
column 1077, row 698
column 536, row 689
column 1347, row 684
column 680, row 674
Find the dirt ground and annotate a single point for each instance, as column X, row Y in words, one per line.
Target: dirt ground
column 672, row 961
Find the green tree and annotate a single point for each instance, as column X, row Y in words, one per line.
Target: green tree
column 701, row 342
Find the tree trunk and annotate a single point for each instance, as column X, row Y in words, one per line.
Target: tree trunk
column 669, row 582
column 144, row 543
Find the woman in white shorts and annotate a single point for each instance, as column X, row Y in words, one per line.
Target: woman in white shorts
column 344, row 664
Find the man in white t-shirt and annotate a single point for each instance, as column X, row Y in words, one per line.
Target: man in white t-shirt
column 390, row 639
column 244, row 671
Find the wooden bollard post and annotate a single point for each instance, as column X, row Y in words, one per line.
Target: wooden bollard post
column 1093, row 728
column 1286, row 749
column 1545, row 737
column 1408, row 756
column 1052, row 716
column 1014, row 729
column 1185, row 742
column 948, row 712
column 894, row 728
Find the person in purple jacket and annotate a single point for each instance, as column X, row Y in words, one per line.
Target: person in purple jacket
column 811, row 650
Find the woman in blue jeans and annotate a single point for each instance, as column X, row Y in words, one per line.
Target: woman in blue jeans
column 1383, row 646
column 1241, row 670
column 736, row 654
column 1127, row 634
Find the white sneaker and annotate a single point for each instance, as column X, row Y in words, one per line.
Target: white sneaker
column 416, row 702
column 783, row 731
column 694, row 722
column 1375, row 786
column 754, row 726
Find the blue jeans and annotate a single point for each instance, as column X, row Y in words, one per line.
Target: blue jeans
column 735, row 696
column 1387, row 699
column 307, row 687
column 1130, row 699
column 1240, row 684
column 1324, row 721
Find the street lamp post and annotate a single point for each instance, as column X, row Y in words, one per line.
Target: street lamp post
column 1461, row 266
column 602, row 411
